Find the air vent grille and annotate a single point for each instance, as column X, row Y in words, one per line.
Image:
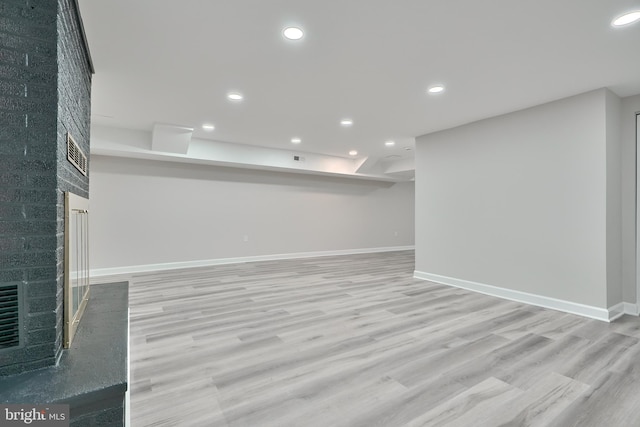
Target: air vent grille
column 9, row 317
column 75, row 155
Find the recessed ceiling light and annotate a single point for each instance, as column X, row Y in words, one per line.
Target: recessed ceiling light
column 293, row 33
column 235, row 96
column 208, row 127
column 296, row 140
column 390, row 143
column 353, row 153
column 626, row 19
column 346, row 122
column 436, row 89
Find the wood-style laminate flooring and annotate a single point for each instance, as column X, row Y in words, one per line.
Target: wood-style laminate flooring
column 356, row 341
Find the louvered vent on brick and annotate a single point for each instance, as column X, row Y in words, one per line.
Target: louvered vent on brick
column 75, row 155
column 9, row 317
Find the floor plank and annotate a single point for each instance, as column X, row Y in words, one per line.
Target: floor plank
column 356, row 341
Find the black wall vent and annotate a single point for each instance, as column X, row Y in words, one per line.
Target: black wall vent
column 9, row 316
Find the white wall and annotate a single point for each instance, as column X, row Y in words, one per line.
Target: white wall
column 519, row 201
column 614, row 199
column 630, row 106
column 147, row 212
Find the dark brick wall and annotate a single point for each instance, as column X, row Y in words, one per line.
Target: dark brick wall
column 74, row 116
column 44, row 91
column 28, row 168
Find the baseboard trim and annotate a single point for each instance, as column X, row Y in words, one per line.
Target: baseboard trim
column 631, row 309
column 616, row 311
column 146, row 268
column 606, row 315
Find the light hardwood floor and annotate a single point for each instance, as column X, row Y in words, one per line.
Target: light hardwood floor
column 356, row 341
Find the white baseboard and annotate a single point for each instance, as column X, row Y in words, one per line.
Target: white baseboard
column 631, row 309
column 616, row 311
column 607, row 315
column 132, row 269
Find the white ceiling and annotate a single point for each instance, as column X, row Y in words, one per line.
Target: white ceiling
column 174, row 61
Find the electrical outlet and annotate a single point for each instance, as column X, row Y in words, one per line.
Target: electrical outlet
column 395, row 233
column 245, row 238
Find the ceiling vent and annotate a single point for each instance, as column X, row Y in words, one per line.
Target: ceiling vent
column 9, row 317
column 75, row 155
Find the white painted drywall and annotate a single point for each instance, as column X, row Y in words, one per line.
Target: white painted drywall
column 614, row 199
column 148, row 212
column 630, row 107
column 519, row 201
column 174, row 144
column 637, row 215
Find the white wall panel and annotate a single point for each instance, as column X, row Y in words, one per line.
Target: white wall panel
column 519, row 201
column 147, row 212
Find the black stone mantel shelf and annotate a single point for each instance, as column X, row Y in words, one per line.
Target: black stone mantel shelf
column 92, row 375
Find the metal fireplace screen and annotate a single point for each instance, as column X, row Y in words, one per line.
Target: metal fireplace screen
column 76, row 263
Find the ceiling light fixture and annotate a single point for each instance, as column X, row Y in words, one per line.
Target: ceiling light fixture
column 293, row 33
column 208, row 127
column 235, row 96
column 390, row 143
column 353, row 153
column 435, row 89
column 346, row 122
column 296, row 140
column 626, row 19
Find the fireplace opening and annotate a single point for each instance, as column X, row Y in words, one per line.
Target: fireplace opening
column 76, row 263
